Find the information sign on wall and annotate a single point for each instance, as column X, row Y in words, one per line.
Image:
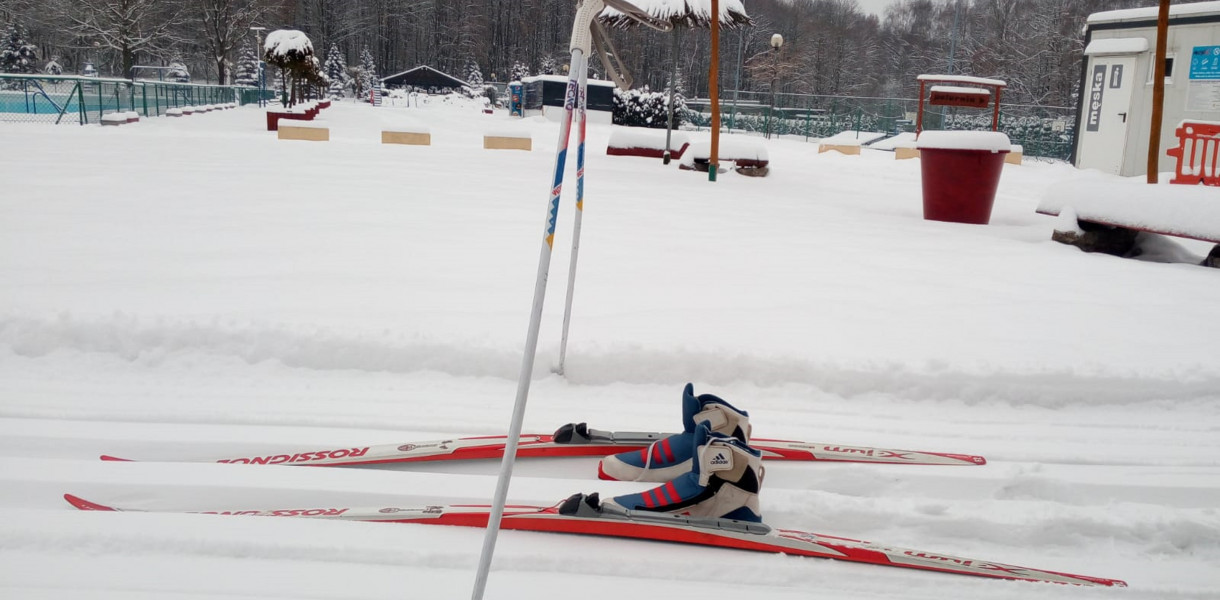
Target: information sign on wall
column 1096, row 87
column 1204, row 91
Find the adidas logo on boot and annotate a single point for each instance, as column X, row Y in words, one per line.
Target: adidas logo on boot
column 671, row 457
column 723, row 483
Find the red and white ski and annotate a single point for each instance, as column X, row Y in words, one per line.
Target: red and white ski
column 574, row 440
column 724, row 533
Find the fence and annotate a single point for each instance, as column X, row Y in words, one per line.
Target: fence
column 1041, row 130
column 83, row 100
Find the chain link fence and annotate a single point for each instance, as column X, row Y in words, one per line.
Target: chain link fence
column 83, row 100
column 1044, row 131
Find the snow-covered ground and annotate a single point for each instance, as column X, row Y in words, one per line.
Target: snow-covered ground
column 192, row 287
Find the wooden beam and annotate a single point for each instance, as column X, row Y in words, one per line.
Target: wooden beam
column 1158, row 91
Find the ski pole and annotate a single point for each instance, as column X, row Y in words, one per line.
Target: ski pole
column 580, row 46
column 581, row 119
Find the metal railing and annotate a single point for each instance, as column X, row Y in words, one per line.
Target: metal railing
column 84, row 100
column 1046, row 131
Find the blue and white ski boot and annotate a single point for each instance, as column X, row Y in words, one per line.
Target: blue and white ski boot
column 671, row 457
column 723, row 482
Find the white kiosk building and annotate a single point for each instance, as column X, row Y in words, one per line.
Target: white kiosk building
column 1113, row 122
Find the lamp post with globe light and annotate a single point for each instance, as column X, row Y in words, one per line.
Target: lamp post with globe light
column 777, row 41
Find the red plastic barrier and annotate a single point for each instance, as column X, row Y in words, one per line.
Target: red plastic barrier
column 1198, row 154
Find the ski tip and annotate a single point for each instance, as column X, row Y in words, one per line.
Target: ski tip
column 115, row 458
column 82, row 504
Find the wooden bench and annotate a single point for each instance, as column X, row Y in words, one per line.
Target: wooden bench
column 508, row 140
column 311, row 131
column 649, row 143
column 409, row 138
column 1109, row 213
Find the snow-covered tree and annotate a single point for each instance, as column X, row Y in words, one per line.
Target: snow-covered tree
column 247, row 67
column 547, row 66
column 53, row 67
column 474, row 76
column 16, row 54
column 291, row 52
column 177, row 72
column 520, row 71
column 335, row 69
column 368, row 69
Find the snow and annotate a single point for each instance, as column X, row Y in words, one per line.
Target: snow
column 905, row 139
column 968, row 79
column 1189, row 210
column 667, row 9
column 991, row 141
column 1141, row 14
column 640, row 137
column 252, row 295
column 1116, row 46
column 283, row 41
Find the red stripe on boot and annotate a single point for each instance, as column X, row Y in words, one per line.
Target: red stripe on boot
column 672, row 491
column 648, row 501
column 669, row 453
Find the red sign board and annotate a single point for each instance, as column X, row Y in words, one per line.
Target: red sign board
column 978, row 99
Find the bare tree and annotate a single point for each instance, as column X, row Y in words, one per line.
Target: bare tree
column 222, row 25
column 125, row 26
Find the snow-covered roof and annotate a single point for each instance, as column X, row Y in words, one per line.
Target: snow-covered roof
column 955, row 89
column 283, row 41
column 683, row 13
column 1143, row 14
column 963, row 79
column 1116, row 46
column 424, row 75
column 563, row 79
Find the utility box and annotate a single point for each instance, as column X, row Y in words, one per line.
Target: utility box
column 545, row 95
column 1114, row 117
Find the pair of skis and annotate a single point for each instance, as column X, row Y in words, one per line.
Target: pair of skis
column 577, row 516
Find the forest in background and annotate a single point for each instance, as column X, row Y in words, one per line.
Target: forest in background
column 831, row 47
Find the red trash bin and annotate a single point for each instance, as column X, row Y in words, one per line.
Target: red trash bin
column 960, row 171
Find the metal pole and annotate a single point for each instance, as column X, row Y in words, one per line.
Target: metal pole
column 673, row 83
column 581, row 118
column 741, row 42
column 713, row 161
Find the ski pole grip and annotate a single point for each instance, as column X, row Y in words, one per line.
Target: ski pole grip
column 582, row 25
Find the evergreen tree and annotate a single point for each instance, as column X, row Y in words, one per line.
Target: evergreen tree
column 53, row 67
column 473, row 75
column 520, row 71
column 336, row 71
column 16, row 55
column 547, row 66
column 177, row 72
column 247, row 67
column 368, row 69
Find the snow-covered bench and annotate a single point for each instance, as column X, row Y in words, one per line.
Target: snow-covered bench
column 749, row 157
column 650, row 143
column 114, row 118
column 848, row 142
column 1104, row 214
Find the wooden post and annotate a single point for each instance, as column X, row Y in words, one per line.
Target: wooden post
column 995, row 113
column 713, row 163
column 1158, row 91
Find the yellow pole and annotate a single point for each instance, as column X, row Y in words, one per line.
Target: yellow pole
column 1158, row 92
column 713, row 162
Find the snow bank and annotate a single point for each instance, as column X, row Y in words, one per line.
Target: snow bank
column 905, row 139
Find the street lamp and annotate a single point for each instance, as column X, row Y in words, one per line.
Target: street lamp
column 777, row 41
column 258, row 47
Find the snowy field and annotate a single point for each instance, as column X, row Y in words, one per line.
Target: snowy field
column 194, row 287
